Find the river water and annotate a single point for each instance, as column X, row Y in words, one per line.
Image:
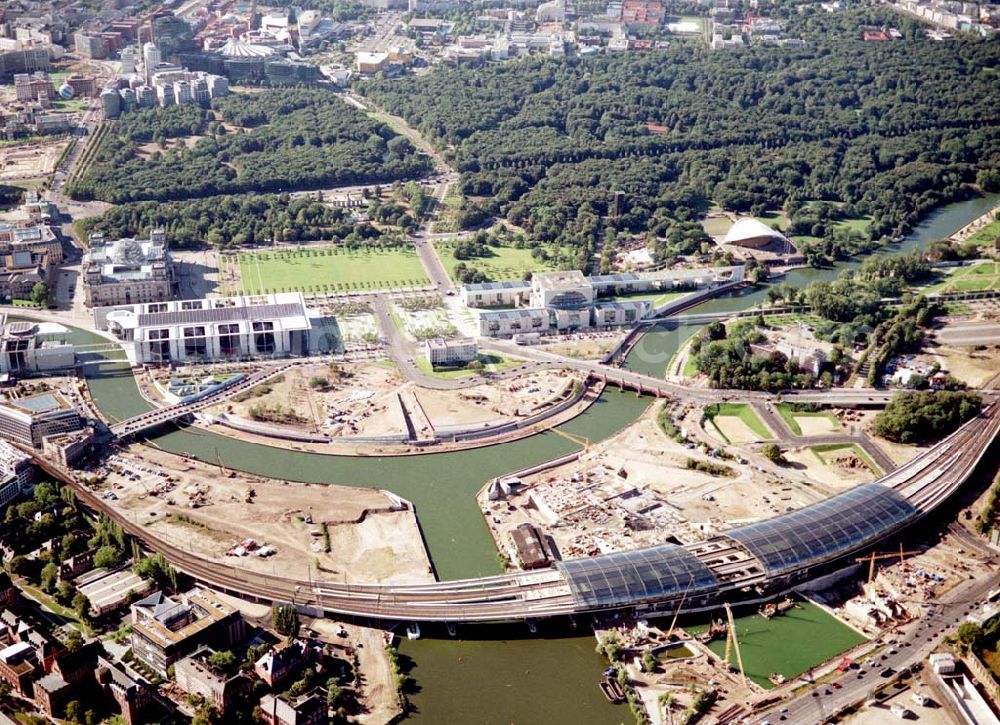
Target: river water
column 492, row 675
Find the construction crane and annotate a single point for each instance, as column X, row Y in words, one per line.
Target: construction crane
column 673, row 622
column 581, row 441
column 732, row 641
column 871, row 560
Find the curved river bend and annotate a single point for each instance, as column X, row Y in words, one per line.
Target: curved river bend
column 506, row 676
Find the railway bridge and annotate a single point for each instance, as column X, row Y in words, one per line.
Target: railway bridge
column 744, row 563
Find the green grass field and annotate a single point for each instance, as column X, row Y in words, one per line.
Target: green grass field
column 986, row 236
column 789, row 414
column 491, row 363
column 744, row 412
column 329, row 269
column 975, row 278
column 818, row 451
column 506, row 262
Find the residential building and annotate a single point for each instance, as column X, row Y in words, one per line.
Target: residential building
column 164, row 628
column 281, row 663
column 308, row 709
column 196, row 675
column 131, row 694
column 33, row 86
column 25, row 59
column 71, row 676
column 223, row 328
column 17, row 474
column 449, row 353
column 27, row 421
column 127, row 271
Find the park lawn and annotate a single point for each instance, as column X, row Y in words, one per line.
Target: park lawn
column 774, row 217
column 717, row 226
column 792, row 319
column 56, row 608
column 744, row 412
column 329, row 269
column 691, row 366
column 491, row 363
column 73, row 105
column 986, row 236
column 789, row 414
column 657, row 298
column 857, row 224
column 818, row 451
column 504, row 264
column 982, row 276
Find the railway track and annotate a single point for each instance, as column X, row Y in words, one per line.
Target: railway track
column 926, row 481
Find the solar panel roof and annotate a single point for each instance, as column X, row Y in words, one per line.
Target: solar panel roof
column 505, row 284
column 634, row 577
column 824, row 530
column 221, row 314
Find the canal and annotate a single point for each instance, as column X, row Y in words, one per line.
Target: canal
column 490, row 675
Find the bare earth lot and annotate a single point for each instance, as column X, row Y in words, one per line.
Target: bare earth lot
column 370, row 541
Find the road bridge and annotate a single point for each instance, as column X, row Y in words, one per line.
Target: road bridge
column 749, row 562
column 159, row 416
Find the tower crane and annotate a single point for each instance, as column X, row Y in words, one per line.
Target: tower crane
column 871, row 560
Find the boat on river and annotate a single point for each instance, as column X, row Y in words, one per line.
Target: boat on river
column 612, row 690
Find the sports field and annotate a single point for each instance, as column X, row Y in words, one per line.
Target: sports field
column 328, row 270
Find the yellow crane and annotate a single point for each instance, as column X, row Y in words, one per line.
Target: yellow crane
column 871, row 559
column 581, row 441
column 732, row 641
column 677, row 612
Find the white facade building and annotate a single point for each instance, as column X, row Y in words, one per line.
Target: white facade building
column 17, row 474
column 496, row 294
column 222, row 328
column 450, row 352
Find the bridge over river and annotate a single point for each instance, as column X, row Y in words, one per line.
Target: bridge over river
column 751, row 561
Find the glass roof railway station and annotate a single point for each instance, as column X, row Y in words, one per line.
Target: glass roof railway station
column 761, row 556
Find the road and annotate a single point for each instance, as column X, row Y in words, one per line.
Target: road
column 819, row 702
column 985, row 333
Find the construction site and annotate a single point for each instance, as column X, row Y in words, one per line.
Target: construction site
column 265, row 525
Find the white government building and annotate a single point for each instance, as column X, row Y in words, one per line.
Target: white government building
column 219, row 328
column 563, row 301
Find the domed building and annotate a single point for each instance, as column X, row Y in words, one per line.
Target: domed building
column 749, row 232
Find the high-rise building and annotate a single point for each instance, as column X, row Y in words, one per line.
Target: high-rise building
column 145, row 96
column 129, row 60
column 199, row 90
column 151, row 57
column 111, row 103
column 182, row 92
column 165, row 94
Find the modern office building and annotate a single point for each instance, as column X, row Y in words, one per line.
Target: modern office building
column 127, row 271
column 448, row 353
column 164, row 628
column 222, row 328
column 33, row 347
column 29, row 420
column 565, row 301
column 509, row 293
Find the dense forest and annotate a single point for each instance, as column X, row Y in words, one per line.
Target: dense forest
column 272, row 141
column 225, row 221
column 892, row 129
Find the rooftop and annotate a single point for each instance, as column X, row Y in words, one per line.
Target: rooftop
column 568, row 280
column 38, row 404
